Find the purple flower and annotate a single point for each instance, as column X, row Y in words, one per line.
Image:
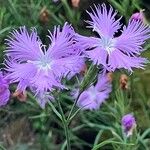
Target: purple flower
column 114, row 52
column 31, row 65
column 128, row 123
column 4, row 90
column 94, row 96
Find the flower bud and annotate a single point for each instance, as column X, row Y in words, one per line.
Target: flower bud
column 110, row 76
column 21, row 96
column 128, row 124
column 75, row 3
column 124, row 81
column 84, row 70
column 138, row 16
column 44, row 15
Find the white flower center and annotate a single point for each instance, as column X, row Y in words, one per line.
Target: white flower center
column 108, row 44
column 44, row 63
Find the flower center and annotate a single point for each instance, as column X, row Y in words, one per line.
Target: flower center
column 107, row 44
column 44, row 63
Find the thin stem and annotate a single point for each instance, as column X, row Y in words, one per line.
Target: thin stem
column 73, row 106
column 70, row 12
column 65, row 124
column 84, row 84
column 55, row 110
column 67, row 134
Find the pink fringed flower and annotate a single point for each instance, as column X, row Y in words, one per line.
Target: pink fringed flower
column 94, row 96
column 110, row 51
column 31, row 65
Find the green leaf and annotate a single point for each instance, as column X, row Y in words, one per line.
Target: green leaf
column 110, row 141
column 4, row 30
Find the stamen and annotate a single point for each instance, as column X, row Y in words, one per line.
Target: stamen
column 43, row 63
column 107, row 44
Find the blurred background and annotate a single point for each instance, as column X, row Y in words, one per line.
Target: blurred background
column 25, row 126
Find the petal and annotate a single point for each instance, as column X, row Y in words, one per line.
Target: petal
column 43, row 98
column 64, row 52
column 86, row 102
column 21, row 73
column 4, row 97
column 133, row 37
column 118, row 60
column 98, row 56
column 4, row 90
column 64, row 66
column 103, row 21
column 87, row 42
column 44, row 81
column 61, row 42
column 102, row 96
column 103, row 85
column 4, row 84
column 93, row 97
column 23, row 46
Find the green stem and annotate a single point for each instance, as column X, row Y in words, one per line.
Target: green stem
column 55, row 110
column 65, row 124
column 67, row 134
column 68, row 10
column 73, row 106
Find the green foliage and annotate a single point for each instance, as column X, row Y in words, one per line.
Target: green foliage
column 96, row 130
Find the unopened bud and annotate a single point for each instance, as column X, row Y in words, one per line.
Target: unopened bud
column 44, row 15
column 110, row 76
column 84, row 70
column 124, row 82
column 75, row 3
column 138, row 16
column 128, row 124
column 21, row 96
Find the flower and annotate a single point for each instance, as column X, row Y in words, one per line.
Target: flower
column 31, row 65
column 4, row 90
column 94, row 96
column 128, row 124
column 110, row 51
column 138, row 16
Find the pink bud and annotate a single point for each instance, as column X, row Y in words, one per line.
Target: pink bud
column 138, row 16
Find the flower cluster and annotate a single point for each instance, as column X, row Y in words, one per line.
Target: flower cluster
column 31, row 64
